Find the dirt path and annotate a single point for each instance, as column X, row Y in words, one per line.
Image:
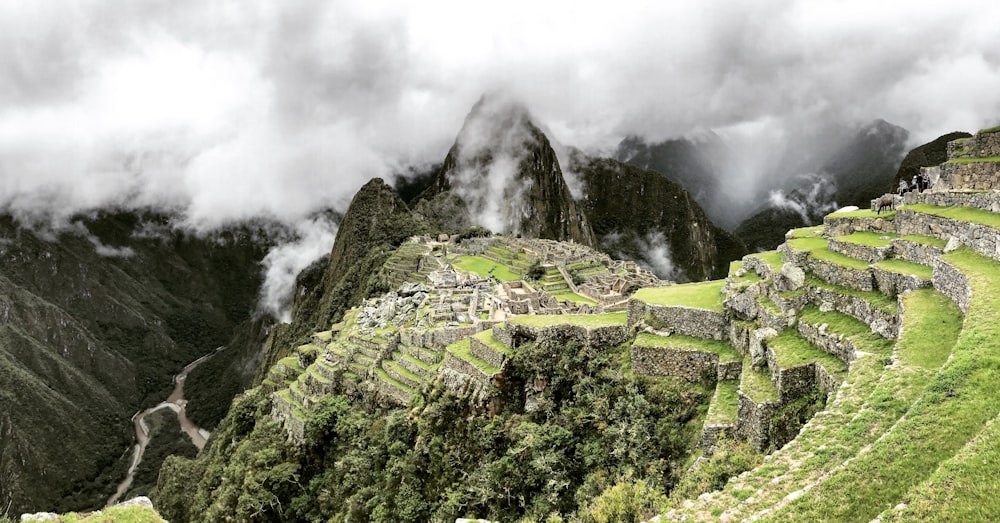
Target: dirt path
column 174, row 402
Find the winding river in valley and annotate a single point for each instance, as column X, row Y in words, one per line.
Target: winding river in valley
column 174, row 402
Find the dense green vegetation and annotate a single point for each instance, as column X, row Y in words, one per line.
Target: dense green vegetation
column 594, row 425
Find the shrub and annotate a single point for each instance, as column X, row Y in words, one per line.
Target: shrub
column 625, row 502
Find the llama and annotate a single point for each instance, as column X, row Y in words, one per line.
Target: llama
column 886, row 201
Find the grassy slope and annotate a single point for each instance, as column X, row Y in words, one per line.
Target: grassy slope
column 705, row 295
column 485, row 268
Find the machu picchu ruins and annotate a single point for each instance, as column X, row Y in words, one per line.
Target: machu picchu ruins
column 861, row 316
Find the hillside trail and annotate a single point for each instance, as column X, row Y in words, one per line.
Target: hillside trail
column 175, row 402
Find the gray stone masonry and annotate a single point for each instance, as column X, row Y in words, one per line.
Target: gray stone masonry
column 794, row 257
column 755, row 264
column 758, row 346
column 710, row 435
column 915, row 252
column 487, row 354
column 878, row 320
column 860, row 252
column 857, row 279
column 987, row 201
column 978, row 146
column 893, row 283
column 700, row 323
column 395, row 374
column 688, row 364
column 844, row 225
column 830, row 342
column 391, row 395
column 744, row 304
column 478, row 391
column 282, row 411
column 753, row 422
column 897, row 200
column 739, row 336
column 459, row 365
column 513, row 334
column 952, row 283
column 730, row 370
column 770, row 315
column 980, row 238
column 974, row 176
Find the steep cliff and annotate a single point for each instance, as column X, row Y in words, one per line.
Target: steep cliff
column 504, row 169
column 639, row 214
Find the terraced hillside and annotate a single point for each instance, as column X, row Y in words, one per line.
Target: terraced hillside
column 907, row 300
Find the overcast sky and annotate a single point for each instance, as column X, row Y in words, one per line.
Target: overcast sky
column 230, row 109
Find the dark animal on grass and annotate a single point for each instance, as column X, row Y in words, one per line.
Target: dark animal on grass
column 886, row 201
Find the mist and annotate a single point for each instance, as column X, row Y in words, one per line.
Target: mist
column 222, row 111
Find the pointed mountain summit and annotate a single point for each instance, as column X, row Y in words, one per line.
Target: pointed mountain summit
column 504, row 169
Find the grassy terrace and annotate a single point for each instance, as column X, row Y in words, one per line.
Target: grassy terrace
column 487, row 338
column 863, row 410
column 485, row 268
column 725, row 403
column 904, row 267
column 791, row 349
column 839, row 323
column 836, row 258
column 610, row 319
column 875, row 298
column 807, row 244
column 863, row 213
column 868, row 239
column 954, row 408
column 962, row 214
column 926, row 240
column 704, row 295
column 807, row 232
column 984, row 159
column 725, row 351
column 463, row 349
column 384, row 376
column 757, row 384
column 773, row 259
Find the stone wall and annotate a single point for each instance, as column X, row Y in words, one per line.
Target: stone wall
column 988, row 201
column 755, row 264
column 739, row 336
column 952, row 283
column 710, row 435
column 753, row 421
column 688, row 364
column 487, row 354
column 981, row 238
column 856, row 279
column 973, row 176
column 978, row 146
column 915, row 252
column 792, row 382
column 831, row 343
column 878, row 320
column 700, row 323
column 860, row 252
column 464, row 367
column 844, row 225
column 730, row 370
column 892, row 283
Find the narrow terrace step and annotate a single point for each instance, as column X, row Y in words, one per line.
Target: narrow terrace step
column 722, row 414
column 844, row 223
column 326, row 368
column 423, row 354
column 322, row 338
column 838, row 334
column 896, row 276
column 952, row 409
column 870, row 247
column 813, row 255
column 757, row 384
column 363, row 359
column 918, row 249
column 684, row 357
column 801, row 367
column 412, row 364
column 459, row 357
column 400, row 374
column 878, row 311
column 764, row 264
column 975, row 228
column 393, row 389
column 487, row 348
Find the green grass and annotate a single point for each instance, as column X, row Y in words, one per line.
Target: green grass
column 725, row 403
column 898, row 266
column 807, row 232
column 842, row 260
column 485, row 268
column 116, row 514
column 725, row 351
column 384, row 376
column 324, row 335
column 955, row 407
column 862, row 213
column 610, row 319
column 773, row 259
column 962, row 214
column 463, row 349
column 573, row 297
column 875, row 298
column 807, row 244
column 990, row 130
column 984, row 159
column 926, row 240
column 791, row 350
column 868, row 239
column 757, row 384
column 704, row 295
column 487, row 338
column 847, row 326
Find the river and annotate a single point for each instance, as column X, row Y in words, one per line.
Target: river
column 175, row 402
